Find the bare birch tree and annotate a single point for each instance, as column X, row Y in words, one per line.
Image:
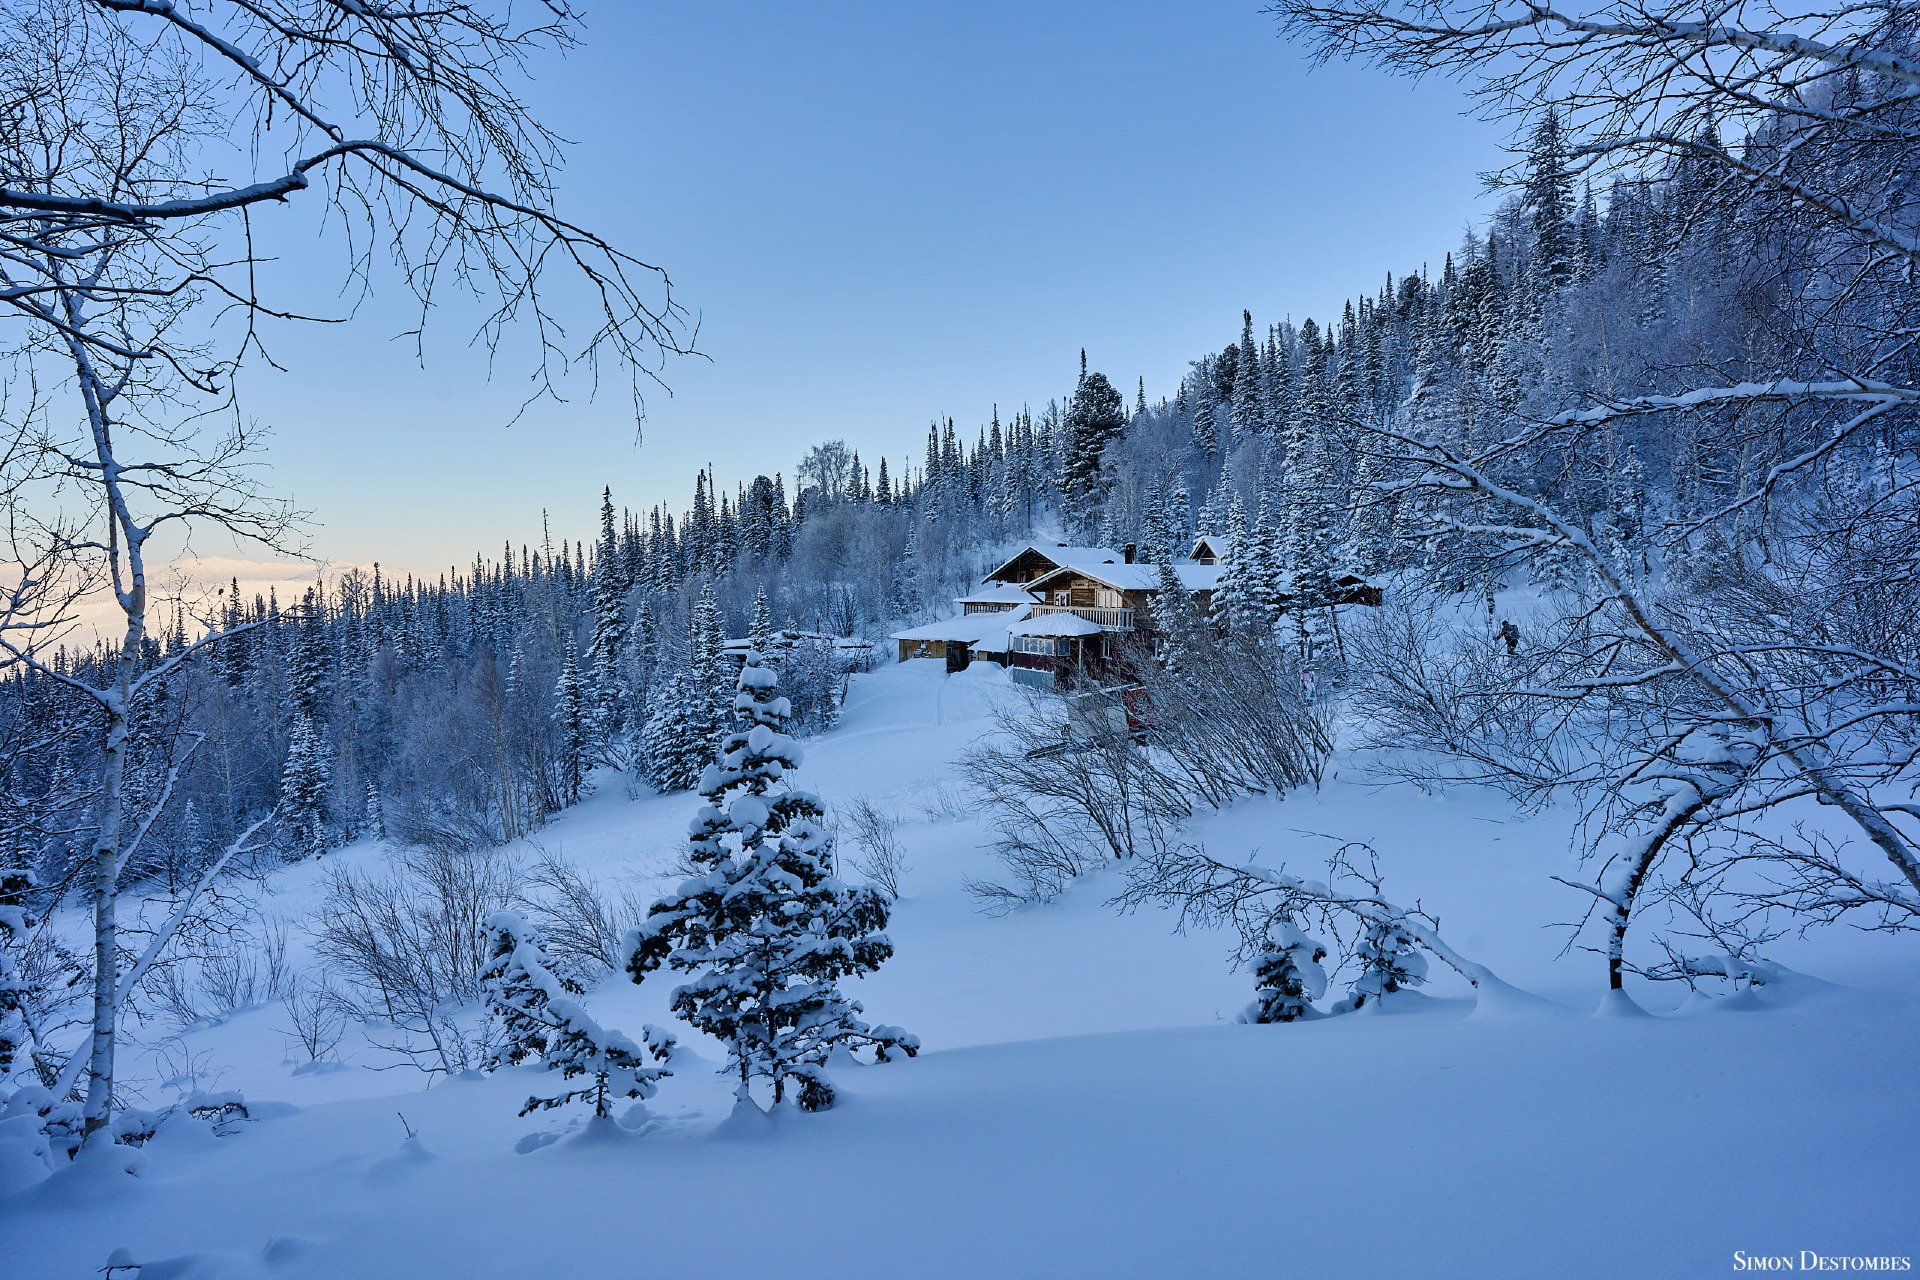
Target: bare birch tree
column 144, row 144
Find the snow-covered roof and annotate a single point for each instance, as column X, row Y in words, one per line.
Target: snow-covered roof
column 982, row 630
column 1215, row 544
column 1058, row 553
column 997, row 593
column 1137, row 576
column 1056, row 624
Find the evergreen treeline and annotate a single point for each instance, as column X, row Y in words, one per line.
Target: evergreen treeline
column 472, row 707
column 467, row 710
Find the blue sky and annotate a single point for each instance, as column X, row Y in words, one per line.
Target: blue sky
column 880, row 214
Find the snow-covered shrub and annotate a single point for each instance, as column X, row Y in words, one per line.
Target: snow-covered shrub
column 222, row 963
column 1228, row 714
column 32, row 1119
column 882, row 858
column 581, row 925
column 1440, row 703
column 318, row 1017
column 767, row 930
column 1066, row 791
column 26, row 1155
column 1287, row 976
column 1265, row 905
column 135, row 1126
column 248, row 969
column 408, row 947
column 220, row 1110
column 539, row 1015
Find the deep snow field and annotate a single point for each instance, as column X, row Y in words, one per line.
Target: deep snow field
column 1085, row 1104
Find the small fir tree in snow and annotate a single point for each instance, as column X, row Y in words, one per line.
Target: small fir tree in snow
column 1261, row 557
column 1233, row 596
column 1626, row 510
column 15, row 1043
column 1389, row 961
column 307, row 660
column 767, row 929
column 1370, row 533
column 1248, row 394
column 713, row 694
column 539, row 1015
column 1287, row 977
column 905, row 595
column 687, row 712
column 520, row 982
column 1176, row 619
column 643, row 640
column 1167, row 531
column 1206, row 435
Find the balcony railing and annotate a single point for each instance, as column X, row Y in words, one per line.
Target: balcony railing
column 1111, row 619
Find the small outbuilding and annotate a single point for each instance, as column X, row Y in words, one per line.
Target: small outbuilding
column 960, row 640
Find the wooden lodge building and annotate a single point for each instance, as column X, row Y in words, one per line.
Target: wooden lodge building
column 1050, row 612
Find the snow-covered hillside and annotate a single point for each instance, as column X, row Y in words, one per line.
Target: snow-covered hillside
column 1085, row 1104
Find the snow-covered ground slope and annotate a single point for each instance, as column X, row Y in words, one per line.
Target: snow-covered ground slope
column 1085, row 1104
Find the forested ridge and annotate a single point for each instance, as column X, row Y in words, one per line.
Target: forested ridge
column 477, row 701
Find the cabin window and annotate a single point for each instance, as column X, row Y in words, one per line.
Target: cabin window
column 1043, row 646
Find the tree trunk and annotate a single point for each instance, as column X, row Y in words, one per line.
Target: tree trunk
column 106, row 894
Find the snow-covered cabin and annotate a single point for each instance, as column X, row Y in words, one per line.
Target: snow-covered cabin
column 1087, row 609
column 986, row 611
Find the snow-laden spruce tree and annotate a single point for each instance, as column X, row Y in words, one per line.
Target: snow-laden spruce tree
column 761, row 632
column 608, row 692
column 573, row 717
column 303, row 788
column 666, row 740
column 1287, row 977
column 1390, row 960
column 15, row 1041
column 538, row 1014
column 767, row 929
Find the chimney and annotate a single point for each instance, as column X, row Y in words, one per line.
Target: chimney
column 1128, row 552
